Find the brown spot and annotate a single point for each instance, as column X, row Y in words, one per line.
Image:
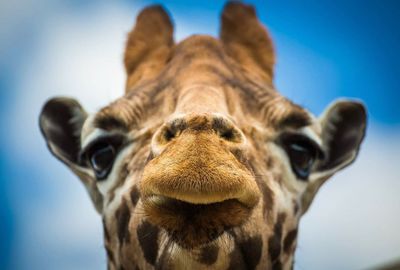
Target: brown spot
column 147, row 235
column 236, row 260
column 123, row 216
column 267, row 198
column 105, row 232
column 209, row 254
column 267, row 193
column 289, row 240
column 135, row 195
column 251, row 250
column 278, row 178
column 110, row 255
column 277, row 265
column 295, row 207
column 275, row 243
column 270, row 163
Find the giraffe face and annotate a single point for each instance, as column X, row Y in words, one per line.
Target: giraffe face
column 202, row 163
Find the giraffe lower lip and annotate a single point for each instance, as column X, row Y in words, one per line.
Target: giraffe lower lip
column 191, row 225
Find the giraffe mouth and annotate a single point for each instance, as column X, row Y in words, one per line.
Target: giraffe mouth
column 192, row 225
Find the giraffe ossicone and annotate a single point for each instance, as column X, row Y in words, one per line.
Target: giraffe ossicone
column 202, row 164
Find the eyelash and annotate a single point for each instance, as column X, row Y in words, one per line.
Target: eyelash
column 302, row 153
column 115, row 141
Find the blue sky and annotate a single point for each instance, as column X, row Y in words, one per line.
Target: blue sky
column 325, row 50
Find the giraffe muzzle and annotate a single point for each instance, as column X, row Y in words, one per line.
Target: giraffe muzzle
column 192, row 225
column 197, row 188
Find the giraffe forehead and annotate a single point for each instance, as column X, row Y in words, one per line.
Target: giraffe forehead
column 201, row 76
column 277, row 115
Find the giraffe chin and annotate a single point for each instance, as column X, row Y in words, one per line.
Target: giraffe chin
column 191, row 225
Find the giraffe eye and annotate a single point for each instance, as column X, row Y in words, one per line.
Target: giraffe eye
column 101, row 159
column 302, row 158
column 101, row 154
column 302, row 153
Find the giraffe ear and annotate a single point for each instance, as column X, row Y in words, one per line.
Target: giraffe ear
column 247, row 40
column 343, row 129
column 61, row 122
column 149, row 44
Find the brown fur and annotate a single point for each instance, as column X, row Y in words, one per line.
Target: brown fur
column 203, row 182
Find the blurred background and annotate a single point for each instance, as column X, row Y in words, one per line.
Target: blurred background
column 325, row 49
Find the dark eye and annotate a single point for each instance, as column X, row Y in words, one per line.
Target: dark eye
column 101, row 154
column 302, row 153
column 101, row 158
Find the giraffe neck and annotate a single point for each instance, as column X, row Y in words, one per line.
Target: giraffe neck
column 149, row 247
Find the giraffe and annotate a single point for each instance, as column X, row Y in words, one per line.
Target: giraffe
column 202, row 163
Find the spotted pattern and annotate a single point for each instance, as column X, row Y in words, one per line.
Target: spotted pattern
column 251, row 249
column 123, row 216
column 289, row 241
column 145, row 101
column 135, row 195
column 209, row 255
column 236, row 261
column 275, row 243
column 147, row 235
column 110, row 255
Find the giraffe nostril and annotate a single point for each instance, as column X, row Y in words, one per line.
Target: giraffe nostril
column 226, row 130
column 221, row 126
column 227, row 135
column 172, row 129
column 231, row 135
column 169, row 134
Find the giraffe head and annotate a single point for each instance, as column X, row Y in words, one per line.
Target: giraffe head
column 202, row 163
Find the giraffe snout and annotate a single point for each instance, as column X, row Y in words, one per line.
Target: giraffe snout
column 196, row 161
column 217, row 124
column 196, row 187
